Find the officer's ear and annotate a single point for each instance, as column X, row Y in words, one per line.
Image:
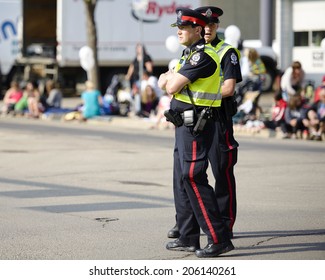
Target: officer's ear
column 202, row 32
column 199, row 29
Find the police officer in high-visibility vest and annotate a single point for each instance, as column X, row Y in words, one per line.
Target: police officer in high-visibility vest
column 195, row 87
column 223, row 156
column 223, row 153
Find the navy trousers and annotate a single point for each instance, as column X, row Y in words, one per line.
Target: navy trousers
column 195, row 201
column 223, row 157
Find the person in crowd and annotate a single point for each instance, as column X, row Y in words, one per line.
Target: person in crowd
column 144, row 81
column 30, row 100
column 53, row 98
column 253, row 72
column 153, row 82
column 149, row 79
column 316, row 117
column 137, row 83
column 318, row 90
column 254, row 68
column 11, row 97
column 163, row 105
column 292, row 80
column 296, row 115
column 149, row 101
column 92, row 101
column 33, row 100
column 133, row 72
column 195, row 88
column 150, row 94
column 277, row 116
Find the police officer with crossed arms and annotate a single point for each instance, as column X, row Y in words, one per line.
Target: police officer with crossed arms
column 223, row 153
column 195, row 87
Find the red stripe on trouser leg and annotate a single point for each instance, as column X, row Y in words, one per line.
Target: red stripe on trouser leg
column 231, row 214
column 227, row 140
column 230, row 160
column 198, row 196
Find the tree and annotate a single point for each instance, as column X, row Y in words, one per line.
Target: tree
column 92, row 39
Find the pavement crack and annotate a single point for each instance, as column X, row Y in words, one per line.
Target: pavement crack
column 288, row 235
column 105, row 221
column 267, row 240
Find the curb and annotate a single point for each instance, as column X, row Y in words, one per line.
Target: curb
column 134, row 122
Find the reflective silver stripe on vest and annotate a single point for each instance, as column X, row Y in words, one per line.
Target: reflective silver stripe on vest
column 222, row 45
column 221, row 49
column 202, row 95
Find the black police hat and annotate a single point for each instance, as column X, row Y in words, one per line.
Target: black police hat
column 212, row 13
column 186, row 16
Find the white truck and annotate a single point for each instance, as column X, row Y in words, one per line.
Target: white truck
column 52, row 32
column 10, row 12
column 41, row 38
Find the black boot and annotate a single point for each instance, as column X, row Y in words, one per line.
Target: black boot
column 213, row 250
column 174, row 232
column 178, row 245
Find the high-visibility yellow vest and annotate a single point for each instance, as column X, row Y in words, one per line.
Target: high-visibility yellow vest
column 222, row 47
column 204, row 91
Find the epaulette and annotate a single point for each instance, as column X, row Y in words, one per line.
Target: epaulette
column 199, row 47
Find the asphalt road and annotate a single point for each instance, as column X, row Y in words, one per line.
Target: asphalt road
column 71, row 191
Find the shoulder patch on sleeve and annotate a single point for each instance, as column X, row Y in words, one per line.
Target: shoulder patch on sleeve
column 233, row 59
column 195, row 58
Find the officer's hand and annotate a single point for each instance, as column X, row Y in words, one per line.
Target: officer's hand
column 162, row 81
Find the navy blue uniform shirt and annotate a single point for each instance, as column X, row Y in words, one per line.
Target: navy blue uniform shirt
column 229, row 63
column 193, row 70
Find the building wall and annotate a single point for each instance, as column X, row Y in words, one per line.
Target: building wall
column 288, row 16
column 284, row 34
column 244, row 14
column 300, row 15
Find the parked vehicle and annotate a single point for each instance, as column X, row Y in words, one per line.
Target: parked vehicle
column 50, row 34
column 9, row 17
column 47, row 45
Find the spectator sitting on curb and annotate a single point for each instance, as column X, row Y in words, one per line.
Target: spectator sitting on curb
column 318, row 90
column 53, row 96
column 92, row 101
column 149, row 102
column 316, row 116
column 277, row 119
column 12, row 96
column 163, row 105
column 29, row 101
column 296, row 115
column 90, row 106
column 292, row 81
